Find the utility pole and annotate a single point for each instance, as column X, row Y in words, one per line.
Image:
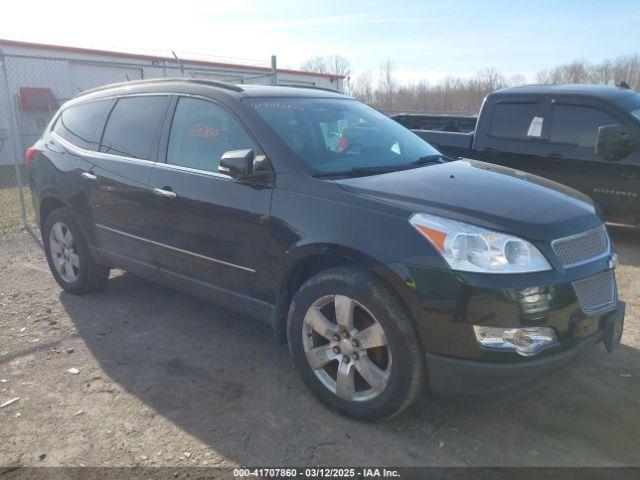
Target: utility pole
column 274, row 71
column 180, row 62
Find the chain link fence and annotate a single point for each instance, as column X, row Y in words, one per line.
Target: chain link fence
column 34, row 83
column 13, row 211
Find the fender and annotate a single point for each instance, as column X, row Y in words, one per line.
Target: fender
column 328, row 255
column 75, row 198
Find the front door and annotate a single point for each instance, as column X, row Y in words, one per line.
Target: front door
column 516, row 131
column 209, row 231
column 572, row 140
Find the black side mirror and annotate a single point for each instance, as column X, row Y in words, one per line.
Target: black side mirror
column 237, row 163
column 612, row 140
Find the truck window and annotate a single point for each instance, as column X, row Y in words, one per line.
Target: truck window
column 201, row 132
column 513, row 120
column 577, row 125
column 631, row 103
column 134, row 125
column 82, row 124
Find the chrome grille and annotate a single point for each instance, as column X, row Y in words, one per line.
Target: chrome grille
column 583, row 247
column 598, row 293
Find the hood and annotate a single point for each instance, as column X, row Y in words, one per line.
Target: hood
column 490, row 196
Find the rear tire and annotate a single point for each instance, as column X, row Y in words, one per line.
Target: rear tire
column 354, row 344
column 68, row 254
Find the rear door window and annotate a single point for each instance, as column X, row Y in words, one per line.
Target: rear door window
column 577, row 125
column 201, row 132
column 518, row 121
column 82, row 124
column 134, row 125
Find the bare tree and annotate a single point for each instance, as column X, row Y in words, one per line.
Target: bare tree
column 464, row 95
column 490, row 79
column 333, row 64
column 314, row 64
column 362, row 87
column 387, row 83
column 516, row 79
column 621, row 69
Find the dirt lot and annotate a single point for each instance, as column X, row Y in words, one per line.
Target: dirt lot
column 165, row 379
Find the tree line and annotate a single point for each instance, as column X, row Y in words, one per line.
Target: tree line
column 464, row 95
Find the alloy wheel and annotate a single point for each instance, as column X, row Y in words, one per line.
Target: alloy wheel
column 65, row 258
column 346, row 347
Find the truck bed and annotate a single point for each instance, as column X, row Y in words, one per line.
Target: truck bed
column 438, row 123
column 450, row 143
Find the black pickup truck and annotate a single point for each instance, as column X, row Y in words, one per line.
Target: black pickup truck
column 583, row 136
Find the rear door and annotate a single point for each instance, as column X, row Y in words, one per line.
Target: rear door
column 572, row 140
column 72, row 146
column 209, row 231
column 515, row 135
column 119, row 196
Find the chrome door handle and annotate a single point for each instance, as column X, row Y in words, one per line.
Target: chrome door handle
column 164, row 193
column 89, row 176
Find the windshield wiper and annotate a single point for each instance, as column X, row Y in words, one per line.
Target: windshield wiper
column 361, row 171
column 428, row 160
column 374, row 170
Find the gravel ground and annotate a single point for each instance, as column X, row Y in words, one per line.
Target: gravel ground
column 168, row 380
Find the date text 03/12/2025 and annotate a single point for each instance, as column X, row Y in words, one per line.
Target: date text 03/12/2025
column 317, row 472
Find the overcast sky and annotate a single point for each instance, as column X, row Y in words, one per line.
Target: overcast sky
column 425, row 38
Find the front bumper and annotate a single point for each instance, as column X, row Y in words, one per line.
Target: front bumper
column 446, row 305
column 480, row 382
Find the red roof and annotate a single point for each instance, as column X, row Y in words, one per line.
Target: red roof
column 89, row 51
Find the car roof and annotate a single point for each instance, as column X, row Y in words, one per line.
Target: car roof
column 604, row 92
column 203, row 86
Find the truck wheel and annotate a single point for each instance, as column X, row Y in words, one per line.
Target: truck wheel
column 68, row 255
column 354, row 345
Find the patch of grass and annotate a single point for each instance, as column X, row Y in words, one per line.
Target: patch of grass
column 8, row 175
column 10, row 215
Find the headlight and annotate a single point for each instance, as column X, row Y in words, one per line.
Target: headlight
column 525, row 341
column 473, row 249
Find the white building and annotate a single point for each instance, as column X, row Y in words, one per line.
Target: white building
column 37, row 78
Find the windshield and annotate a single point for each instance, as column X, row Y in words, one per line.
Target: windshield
column 631, row 103
column 336, row 135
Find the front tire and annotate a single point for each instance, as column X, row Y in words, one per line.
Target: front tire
column 355, row 346
column 68, row 254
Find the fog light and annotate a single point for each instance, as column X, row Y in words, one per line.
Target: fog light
column 525, row 341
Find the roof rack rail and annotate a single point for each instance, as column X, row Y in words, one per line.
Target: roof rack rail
column 201, row 81
column 311, row 87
